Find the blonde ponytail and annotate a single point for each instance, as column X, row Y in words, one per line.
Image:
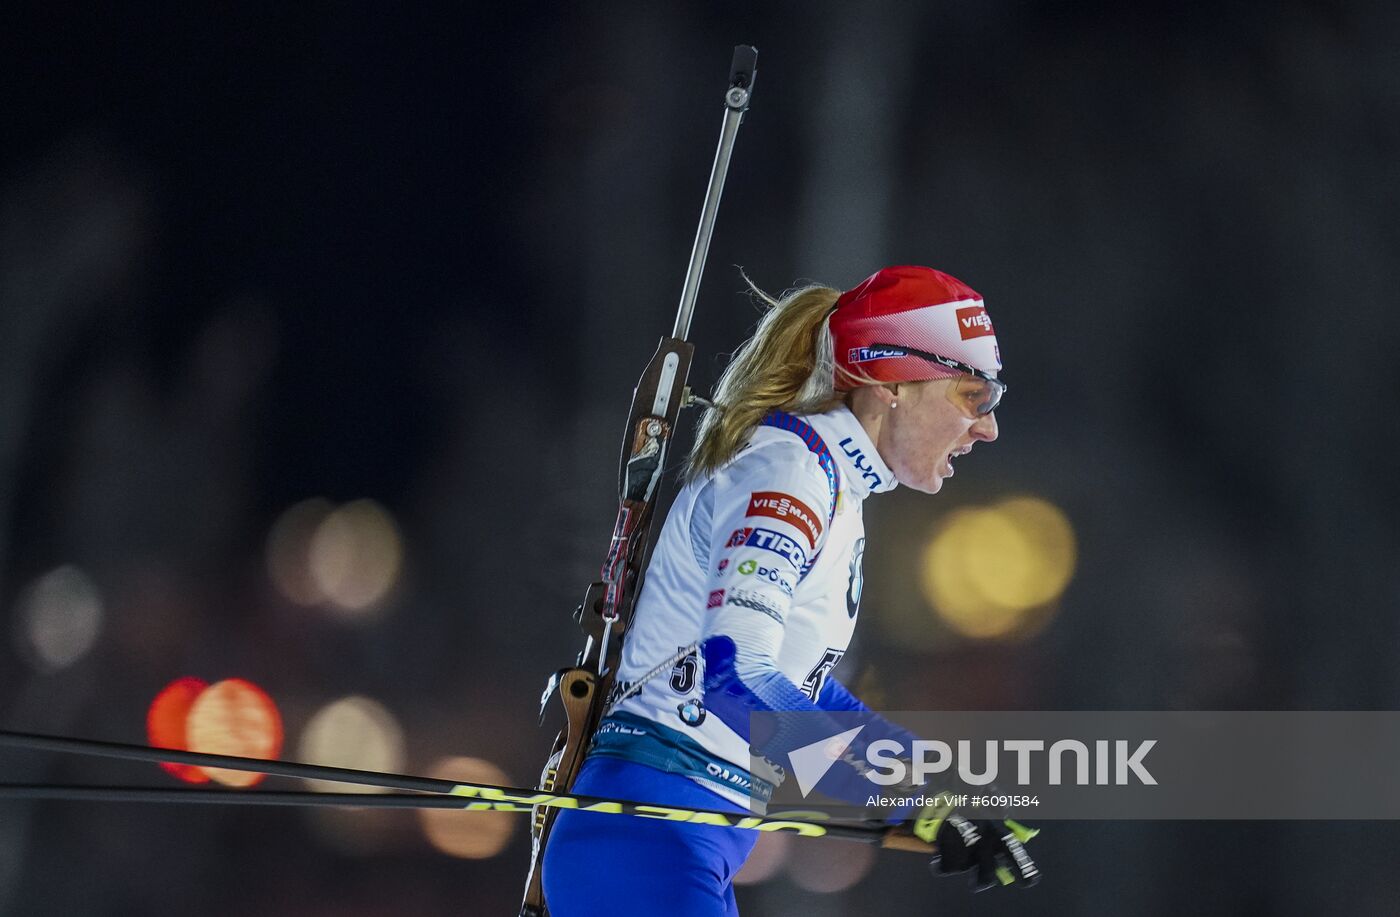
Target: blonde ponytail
column 787, row 365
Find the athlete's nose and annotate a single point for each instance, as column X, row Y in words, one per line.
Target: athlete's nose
column 985, row 428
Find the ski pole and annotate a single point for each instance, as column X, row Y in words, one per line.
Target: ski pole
column 470, row 797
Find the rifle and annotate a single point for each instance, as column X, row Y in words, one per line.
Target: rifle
column 607, row 604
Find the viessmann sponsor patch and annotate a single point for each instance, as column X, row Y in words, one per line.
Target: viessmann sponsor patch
column 789, row 509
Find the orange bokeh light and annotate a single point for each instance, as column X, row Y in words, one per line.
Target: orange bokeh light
column 234, row 717
column 165, row 724
column 469, row 835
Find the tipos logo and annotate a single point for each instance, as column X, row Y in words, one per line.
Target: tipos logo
column 974, row 322
column 768, row 540
column 866, row 354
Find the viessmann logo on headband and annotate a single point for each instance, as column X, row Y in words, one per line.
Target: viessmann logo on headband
column 974, row 322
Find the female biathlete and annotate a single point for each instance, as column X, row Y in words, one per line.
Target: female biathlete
column 837, row 396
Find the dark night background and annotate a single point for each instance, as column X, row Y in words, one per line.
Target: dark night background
column 253, row 257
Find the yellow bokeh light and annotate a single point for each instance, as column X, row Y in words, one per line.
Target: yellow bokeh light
column 1040, row 557
column 355, row 555
column 469, row 835
column 354, row 732
column 289, row 550
column 987, row 568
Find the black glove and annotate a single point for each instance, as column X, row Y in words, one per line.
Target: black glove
column 994, row 850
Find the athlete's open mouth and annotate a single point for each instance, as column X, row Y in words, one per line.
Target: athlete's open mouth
column 948, row 459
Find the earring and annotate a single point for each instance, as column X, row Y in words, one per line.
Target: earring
column 893, row 405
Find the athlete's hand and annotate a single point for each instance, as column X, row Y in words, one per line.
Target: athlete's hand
column 994, row 851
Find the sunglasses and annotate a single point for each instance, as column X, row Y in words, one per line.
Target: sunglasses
column 975, row 391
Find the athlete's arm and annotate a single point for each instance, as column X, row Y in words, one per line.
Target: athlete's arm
column 837, row 697
column 768, row 513
column 768, row 518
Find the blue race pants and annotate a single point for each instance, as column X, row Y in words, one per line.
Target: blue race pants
column 599, row 865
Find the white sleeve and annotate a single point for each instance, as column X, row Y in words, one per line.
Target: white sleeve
column 768, row 518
